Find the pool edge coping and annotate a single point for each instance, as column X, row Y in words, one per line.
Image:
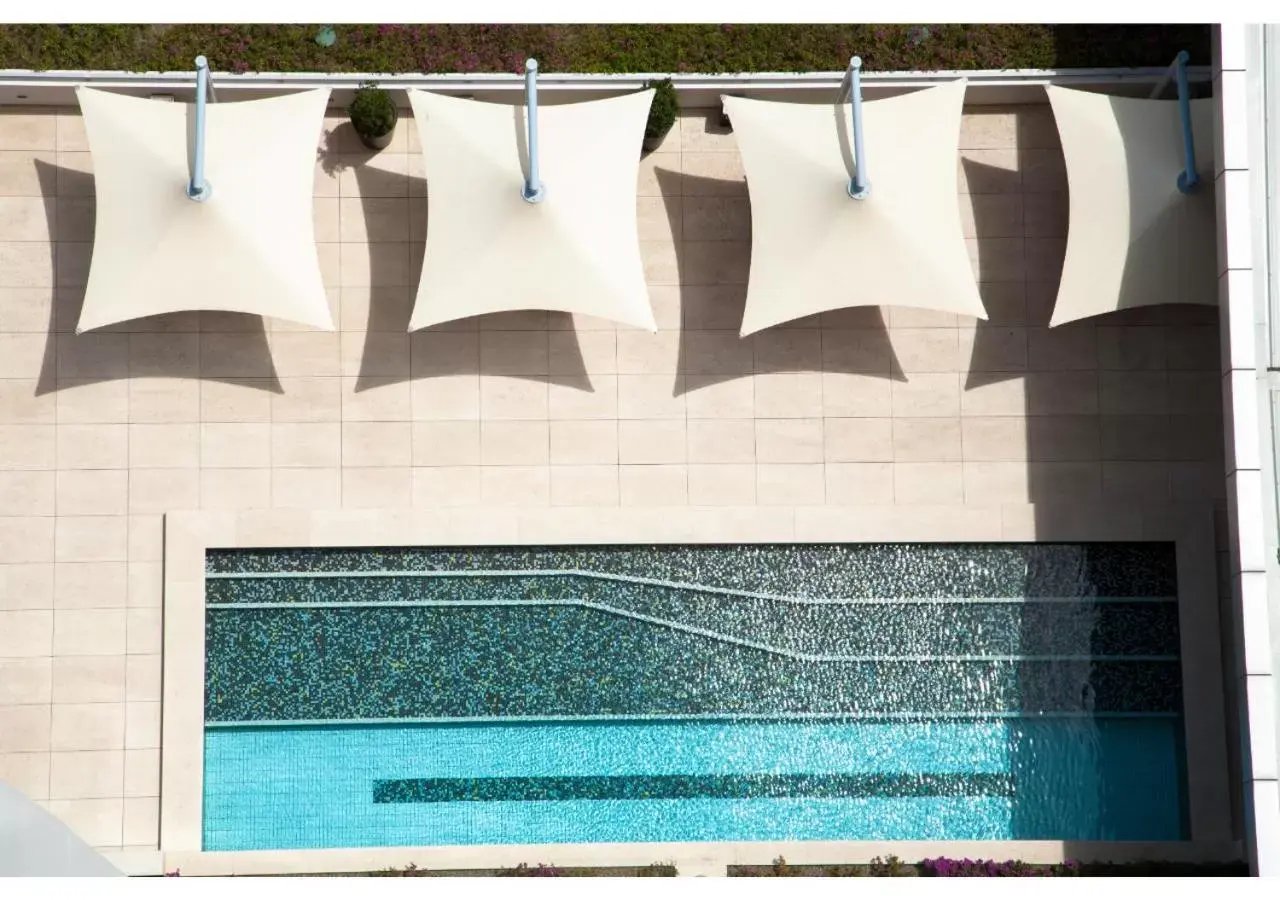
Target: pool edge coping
column 188, row 534
column 689, row 858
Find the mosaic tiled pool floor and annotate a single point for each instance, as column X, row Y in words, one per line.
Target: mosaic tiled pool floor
column 400, row 697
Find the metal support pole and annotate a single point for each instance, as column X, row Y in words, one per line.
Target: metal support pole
column 534, row 191
column 860, row 185
column 1188, row 180
column 198, row 189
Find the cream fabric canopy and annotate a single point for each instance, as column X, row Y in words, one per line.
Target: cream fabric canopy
column 249, row 248
column 489, row 251
column 814, row 248
column 1134, row 238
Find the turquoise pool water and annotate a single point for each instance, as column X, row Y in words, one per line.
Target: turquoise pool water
column 314, row 787
column 414, row 697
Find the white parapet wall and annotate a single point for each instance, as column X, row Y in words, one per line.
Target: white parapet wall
column 1246, row 76
column 985, row 87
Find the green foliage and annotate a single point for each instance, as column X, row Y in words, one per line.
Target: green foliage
column 595, row 48
column 372, row 111
column 658, row 870
column 409, row 871
column 663, row 111
column 524, row 870
column 889, row 867
column 844, row 871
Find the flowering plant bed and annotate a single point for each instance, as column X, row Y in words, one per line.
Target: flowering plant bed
column 943, row 867
column 525, row 870
column 594, row 48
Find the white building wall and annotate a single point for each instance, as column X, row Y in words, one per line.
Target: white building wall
column 1244, row 157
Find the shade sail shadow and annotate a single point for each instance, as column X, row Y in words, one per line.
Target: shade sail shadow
column 711, row 122
column 1074, row 443
column 844, row 126
column 712, row 262
column 1087, row 421
column 522, row 139
column 1021, row 308
column 518, row 344
column 1071, row 772
column 216, row 346
column 1000, row 344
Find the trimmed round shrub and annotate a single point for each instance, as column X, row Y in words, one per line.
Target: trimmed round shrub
column 373, row 113
column 663, row 112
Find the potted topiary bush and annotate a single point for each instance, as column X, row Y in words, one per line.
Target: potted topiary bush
column 373, row 116
column 662, row 113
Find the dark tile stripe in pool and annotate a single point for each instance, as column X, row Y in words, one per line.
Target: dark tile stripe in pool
column 687, row 787
column 1012, row 627
column 290, row 665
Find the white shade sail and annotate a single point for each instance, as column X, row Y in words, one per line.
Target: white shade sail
column 249, row 248
column 814, row 248
column 488, row 250
column 1134, row 239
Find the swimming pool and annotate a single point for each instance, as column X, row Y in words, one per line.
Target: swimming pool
column 597, row 694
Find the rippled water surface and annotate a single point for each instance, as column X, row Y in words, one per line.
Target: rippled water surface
column 542, row 695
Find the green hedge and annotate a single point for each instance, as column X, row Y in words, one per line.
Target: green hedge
column 596, row 48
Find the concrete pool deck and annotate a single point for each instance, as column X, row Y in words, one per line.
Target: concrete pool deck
column 690, row 859
column 189, row 534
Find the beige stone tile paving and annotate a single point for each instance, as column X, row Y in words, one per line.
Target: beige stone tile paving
column 100, row 434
